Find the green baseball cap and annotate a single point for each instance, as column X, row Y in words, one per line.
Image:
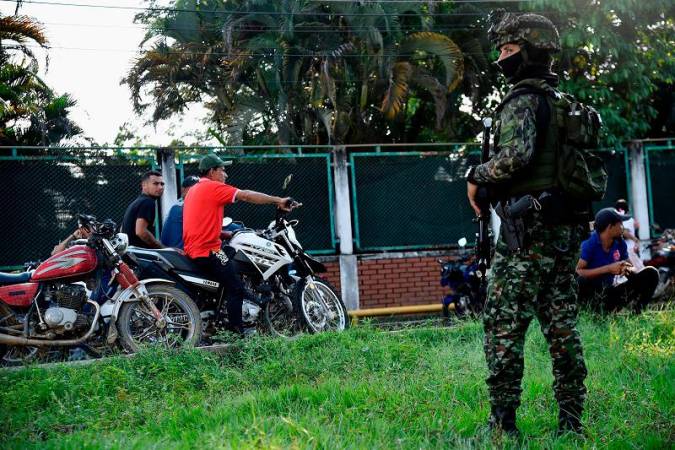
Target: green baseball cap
column 211, row 161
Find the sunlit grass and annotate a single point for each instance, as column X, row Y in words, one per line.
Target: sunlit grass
column 360, row 389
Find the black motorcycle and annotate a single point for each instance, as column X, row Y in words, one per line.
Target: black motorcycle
column 467, row 293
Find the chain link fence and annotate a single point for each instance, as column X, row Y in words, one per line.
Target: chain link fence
column 617, row 184
column 45, row 193
column 307, row 178
column 400, row 200
column 661, row 186
column 46, row 190
column 417, row 200
column 411, row 200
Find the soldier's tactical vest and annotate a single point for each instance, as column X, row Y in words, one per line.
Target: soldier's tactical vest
column 567, row 132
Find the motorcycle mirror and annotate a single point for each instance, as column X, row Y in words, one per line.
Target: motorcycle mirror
column 85, row 220
column 287, row 181
column 462, row 242
column 227, row 221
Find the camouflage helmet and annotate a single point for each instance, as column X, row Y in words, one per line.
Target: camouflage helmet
column 534, row 29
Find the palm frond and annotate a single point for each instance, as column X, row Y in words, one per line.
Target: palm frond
column 442, row 47
column 422, row 78
column 397, row 92
column 328, row 83
column 326, row 118
column 474, row 48
column 22, row 29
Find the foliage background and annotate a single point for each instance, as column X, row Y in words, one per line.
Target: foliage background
column 310, row 72
column 31, row 113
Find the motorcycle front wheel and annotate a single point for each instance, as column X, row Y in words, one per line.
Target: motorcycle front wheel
column 137, row 326
column 319, row 306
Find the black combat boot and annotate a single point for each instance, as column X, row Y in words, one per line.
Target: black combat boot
column 503, row 419
column 569, row 419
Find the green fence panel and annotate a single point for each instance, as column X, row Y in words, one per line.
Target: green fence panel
column 660, row 171
column 311, row 183
column 44, row 195
column 401, row 200
column 416, row 200
column 617, row 183
column 410, row 200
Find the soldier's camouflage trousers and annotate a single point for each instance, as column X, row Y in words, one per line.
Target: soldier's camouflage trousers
column 538, row 282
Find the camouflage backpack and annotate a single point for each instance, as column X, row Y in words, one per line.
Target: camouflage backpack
column 579, row 171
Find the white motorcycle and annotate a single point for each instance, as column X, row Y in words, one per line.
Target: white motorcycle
column 273, row 261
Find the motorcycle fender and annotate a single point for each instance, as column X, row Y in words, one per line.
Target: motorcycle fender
column 316, row 266
column 128, row 295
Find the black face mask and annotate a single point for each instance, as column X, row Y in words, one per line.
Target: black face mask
column 510, row 65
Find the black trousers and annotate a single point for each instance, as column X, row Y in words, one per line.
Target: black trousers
column 636, row 292
column 227, row 274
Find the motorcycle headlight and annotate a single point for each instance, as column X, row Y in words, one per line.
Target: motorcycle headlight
column 120, row 243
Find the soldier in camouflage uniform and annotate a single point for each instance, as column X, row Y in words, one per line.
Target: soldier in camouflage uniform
column 536, row 281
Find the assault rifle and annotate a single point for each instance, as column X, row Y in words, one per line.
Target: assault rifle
column 483, row 244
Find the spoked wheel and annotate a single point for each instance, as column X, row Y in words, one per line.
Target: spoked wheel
column 280, row 317
column 181, row 325
column 320, row 308
column 14, row 355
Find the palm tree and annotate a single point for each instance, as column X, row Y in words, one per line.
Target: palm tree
column 16, row 32
column 306, row 71
column 30, row 112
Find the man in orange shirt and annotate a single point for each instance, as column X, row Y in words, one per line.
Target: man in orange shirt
column 202, row 220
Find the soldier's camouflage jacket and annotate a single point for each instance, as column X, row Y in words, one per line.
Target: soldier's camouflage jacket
column 516, row 128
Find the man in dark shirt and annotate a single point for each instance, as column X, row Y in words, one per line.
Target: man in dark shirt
column 139, row 218
column 603, row 263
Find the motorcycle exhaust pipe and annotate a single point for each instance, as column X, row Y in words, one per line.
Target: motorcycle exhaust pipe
column 22, row 341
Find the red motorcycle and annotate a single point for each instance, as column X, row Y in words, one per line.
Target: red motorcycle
column 663, row 258
column 87, row 293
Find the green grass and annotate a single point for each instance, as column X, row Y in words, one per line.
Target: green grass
column 421, row 388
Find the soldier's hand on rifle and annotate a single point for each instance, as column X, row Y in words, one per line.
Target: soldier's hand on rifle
column 471, row 193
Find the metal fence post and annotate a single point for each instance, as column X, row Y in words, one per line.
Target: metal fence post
column 349, row 272
column 639, row 189
column 166, row 159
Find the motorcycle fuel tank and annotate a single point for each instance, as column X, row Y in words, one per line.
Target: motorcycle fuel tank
column 73, row 262
column 260, row 251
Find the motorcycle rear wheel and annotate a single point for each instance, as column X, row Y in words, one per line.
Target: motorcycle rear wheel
column 319, row 306
column 137, row 327
column 279, row 320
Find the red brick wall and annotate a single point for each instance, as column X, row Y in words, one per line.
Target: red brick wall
column 395, row 281
column 333, row 274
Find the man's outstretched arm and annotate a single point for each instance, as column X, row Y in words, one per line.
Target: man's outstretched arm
column 258, row 198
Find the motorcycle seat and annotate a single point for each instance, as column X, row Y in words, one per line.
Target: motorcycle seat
column 15, row 278
column 178, row 260
column 168, row 255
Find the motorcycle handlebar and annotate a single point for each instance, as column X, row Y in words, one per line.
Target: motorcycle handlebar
column 105, row 228
column 290, row 204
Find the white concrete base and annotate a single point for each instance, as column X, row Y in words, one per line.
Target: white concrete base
column 349, row 281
